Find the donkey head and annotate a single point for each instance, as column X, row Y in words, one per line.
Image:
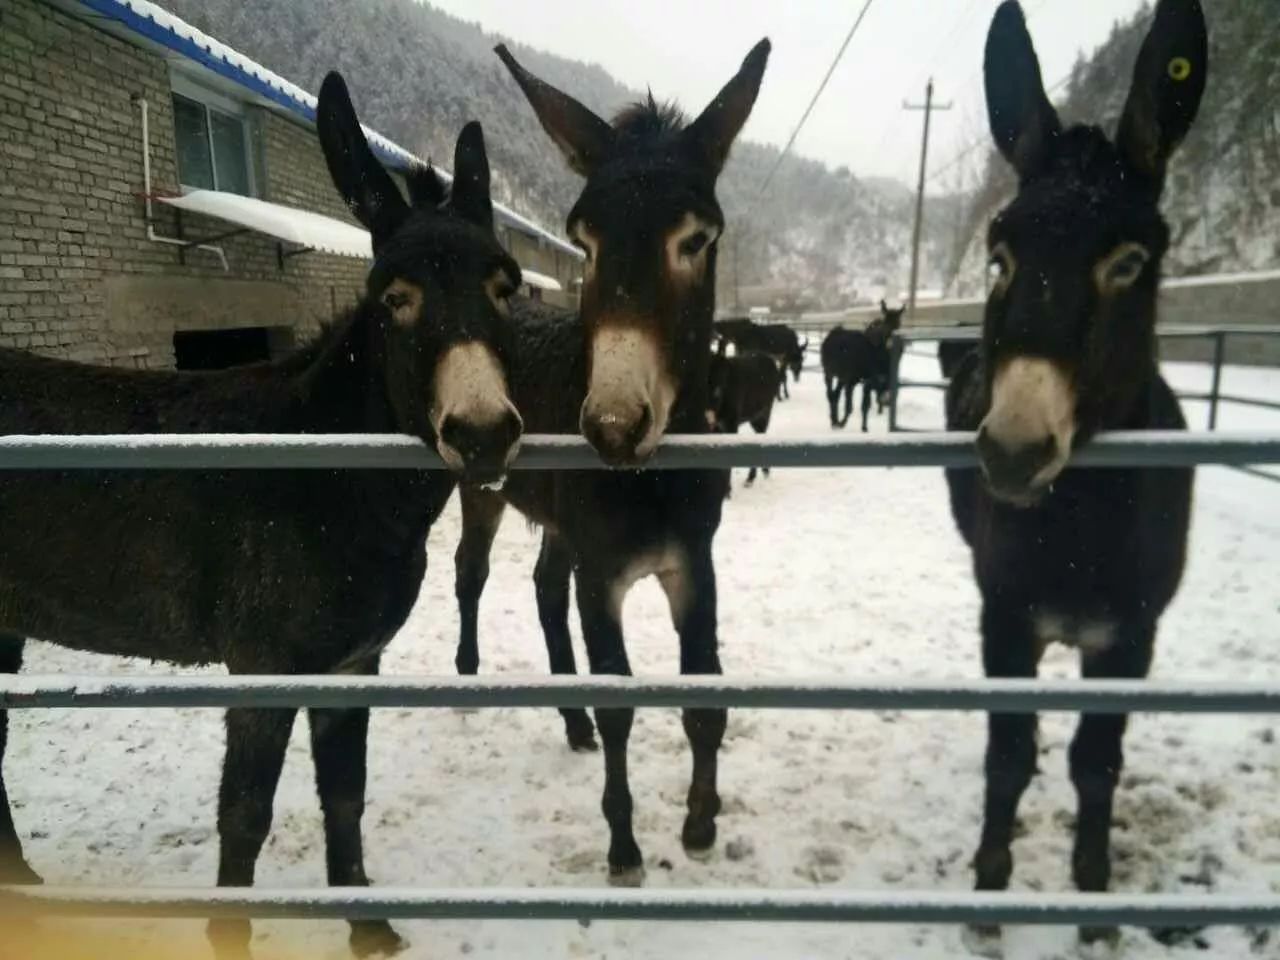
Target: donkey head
column 648, row 222
column 892, row 319
column 1069, row 328
column 443, row 282
column 795, row 359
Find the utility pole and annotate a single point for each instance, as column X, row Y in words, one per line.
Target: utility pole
column 928, row 107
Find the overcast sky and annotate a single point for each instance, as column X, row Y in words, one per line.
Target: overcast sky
column 687, row 48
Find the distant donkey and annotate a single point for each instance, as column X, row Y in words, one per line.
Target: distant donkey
column 1086, row 557
column 742, row 391
column 774, row 340
column 850, row 357
column 631, row 367
column 274, row 571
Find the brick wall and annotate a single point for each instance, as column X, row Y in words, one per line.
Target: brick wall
column 78, row 276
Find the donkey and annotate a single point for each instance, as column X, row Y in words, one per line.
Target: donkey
column 951, row 354
column 631, row 367
column 742, row 391
column 1086, row 557
column 299, row 571
column 850, row 357
column 775, row 340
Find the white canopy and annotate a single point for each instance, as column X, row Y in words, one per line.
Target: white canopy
column 302, row 227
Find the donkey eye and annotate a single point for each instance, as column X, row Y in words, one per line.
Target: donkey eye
column 999, row 269
column 395, row 300
column 691, row 244
column 1125, row 267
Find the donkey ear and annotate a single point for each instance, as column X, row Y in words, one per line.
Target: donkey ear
column 1168, row 82
column 469, row 197
column 1023, row 121
column 584, row 139
column 713, row 133
column 363, row 182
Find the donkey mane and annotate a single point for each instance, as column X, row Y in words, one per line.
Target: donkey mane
column 426, row 189
column 648, row 121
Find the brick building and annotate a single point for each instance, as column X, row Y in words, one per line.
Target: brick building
column 223, row 268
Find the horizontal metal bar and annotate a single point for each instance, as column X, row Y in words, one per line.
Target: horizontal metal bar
column 1001, row 695
column 1248, row 401
column 807, row 906
column 550, row 452
column 968, row 332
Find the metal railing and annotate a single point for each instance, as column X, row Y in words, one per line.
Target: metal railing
column 1217, row 334
column 225, row 452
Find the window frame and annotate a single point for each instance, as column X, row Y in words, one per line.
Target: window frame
column 211, row 102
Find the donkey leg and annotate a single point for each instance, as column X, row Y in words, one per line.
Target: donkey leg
column 339, row 750
column 256, row 742
column 1096, row 758
column 600, row 611
column 1009, row 649
column 13, row 867
column 481, row 514
column 551, row 582
column 691, row 593
column 833, row 398
column 848, row 401
column 866, row 403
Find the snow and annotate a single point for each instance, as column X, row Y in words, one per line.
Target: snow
column 854, row 574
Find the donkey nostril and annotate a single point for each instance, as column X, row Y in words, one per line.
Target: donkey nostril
column 640, row 429
column 512, row 426
column 452, row 432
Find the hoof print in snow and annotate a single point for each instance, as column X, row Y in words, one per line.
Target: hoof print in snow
column 823, row 865
column 666, row 864
column 983, row 941
column 738, row 849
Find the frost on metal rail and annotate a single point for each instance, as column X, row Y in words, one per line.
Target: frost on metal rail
column 549, row 452
column 809, row 906
column 320, row 691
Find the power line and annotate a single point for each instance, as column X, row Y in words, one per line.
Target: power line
column 809, row 109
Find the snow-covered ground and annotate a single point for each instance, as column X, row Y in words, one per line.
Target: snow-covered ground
column 821, row 572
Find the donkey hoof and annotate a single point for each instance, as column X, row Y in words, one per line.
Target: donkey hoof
column 18, row 873
column 626, row 876
column 375, row 938
column 1099, row 941
column 698, row 837
column 580, row 733
column 230, row 939
column 982, row 941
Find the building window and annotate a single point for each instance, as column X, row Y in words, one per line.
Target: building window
column 213, row 143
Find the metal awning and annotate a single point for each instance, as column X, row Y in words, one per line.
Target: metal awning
column 310, row 231
column 540, row 280
column 304, row 229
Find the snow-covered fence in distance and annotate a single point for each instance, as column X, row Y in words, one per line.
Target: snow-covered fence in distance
column 221, row 452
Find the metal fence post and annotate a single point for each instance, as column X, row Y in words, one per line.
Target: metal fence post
column 1219, row 348
column 895, row 358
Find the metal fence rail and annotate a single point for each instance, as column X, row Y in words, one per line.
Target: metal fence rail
column 807, row 906
column 1147, row 448
column 230, row 452
column 1095, row 696
column 1217, row 334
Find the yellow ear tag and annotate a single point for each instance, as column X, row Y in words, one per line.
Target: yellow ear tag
column 1179, row 68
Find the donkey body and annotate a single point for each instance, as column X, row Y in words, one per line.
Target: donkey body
column 742, row 391
column 626, row 370
column 774, row 340
column 1086, row 557
column 284, row 571
column 850, row 357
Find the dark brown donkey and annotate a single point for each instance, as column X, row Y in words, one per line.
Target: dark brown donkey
column 1086, row 557
column 300, row 571
column 631, row 367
